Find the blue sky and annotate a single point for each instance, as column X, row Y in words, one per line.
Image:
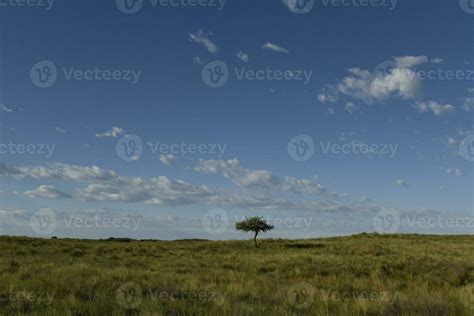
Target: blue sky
column 415, row 110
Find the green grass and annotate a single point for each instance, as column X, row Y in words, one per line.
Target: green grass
column 359, row 275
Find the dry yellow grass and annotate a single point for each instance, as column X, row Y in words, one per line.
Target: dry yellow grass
column 358, row 275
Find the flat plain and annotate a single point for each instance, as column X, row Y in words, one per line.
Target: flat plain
column 365, row 274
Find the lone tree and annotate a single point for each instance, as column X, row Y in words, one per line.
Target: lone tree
column 254, row 224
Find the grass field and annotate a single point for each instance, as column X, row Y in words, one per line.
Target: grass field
column 359, row 275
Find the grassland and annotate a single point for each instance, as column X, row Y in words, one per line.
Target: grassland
column 357, row 275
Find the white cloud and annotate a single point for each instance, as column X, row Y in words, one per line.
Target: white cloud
column 410, row 61
column 275, row 48
column 202, row 38
column 113, row 132
column 233, row 170
column 104, row 185
column 468, row 105
column 435, row 107
column 363, row 85
column 454, row 172
column 113, row 193
column 263, row 179
column 351, row 108
column 303, row 186
column 328, row 94
column 197, row 60
column 243, row 56
column 452, row 141
column 47, row 192
column 167, row 159
column 463, row 133
column 401, row 183
column 437, row 60
column 365, row 199
column 400, row 82
column 4, row 108
column 60, row 130
column 157, row 190
column 259, row 189
column 62, row 172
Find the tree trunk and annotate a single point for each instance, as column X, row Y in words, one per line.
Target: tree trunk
column 255, row 239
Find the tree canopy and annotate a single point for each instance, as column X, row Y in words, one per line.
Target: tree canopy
column 254, row 224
